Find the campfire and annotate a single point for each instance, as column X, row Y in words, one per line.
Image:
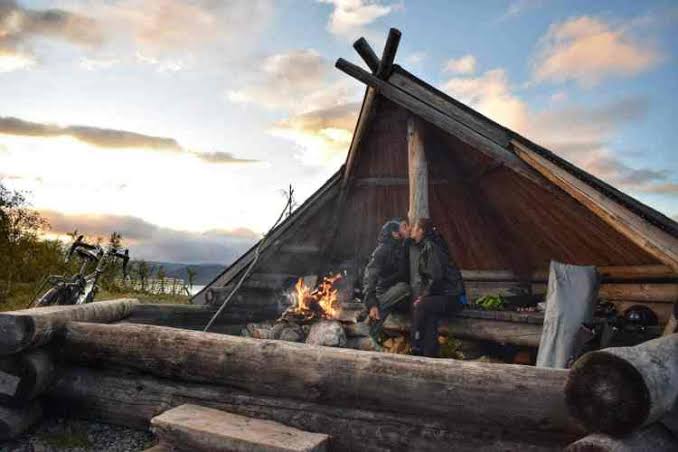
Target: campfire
column 321, row 302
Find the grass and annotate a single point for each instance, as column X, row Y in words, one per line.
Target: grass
column 70, row 439
column 22, row 295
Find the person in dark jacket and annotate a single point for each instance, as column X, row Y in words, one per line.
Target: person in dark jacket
column 437, row 286
column 385, row 284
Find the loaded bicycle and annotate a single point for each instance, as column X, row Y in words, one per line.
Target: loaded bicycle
column 81, row 287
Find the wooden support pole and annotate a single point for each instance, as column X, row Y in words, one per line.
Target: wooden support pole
column 33, row 372
column 367, row 54
column 444, row 388
column 619, row 390
column 655, row 438
column 27, row 328
column 15, row 421
column 132, row 399
column 389, row 53
column 417, row 170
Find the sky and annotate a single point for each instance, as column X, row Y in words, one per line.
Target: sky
column 178, row 123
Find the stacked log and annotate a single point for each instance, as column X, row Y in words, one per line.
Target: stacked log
column 25, row 376
column 655, row 438
column 132, row 399
column 339, row 378
column 620, row 390
column 29, row 328
column 27, row 368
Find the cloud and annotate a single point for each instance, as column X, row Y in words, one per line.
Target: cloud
column 586, row 49
column 349, row 17
column 108, row 138
column 19, row 27
column 463, row 65
column 151, row 242
column 288, row 80
column 519, row 7
column 221, row 157
column 94, row 64
column 165, row 26
column 491, row 94
column 323, row 135
column 580, row 134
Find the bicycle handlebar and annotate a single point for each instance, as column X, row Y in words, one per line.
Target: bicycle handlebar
column 124, row 255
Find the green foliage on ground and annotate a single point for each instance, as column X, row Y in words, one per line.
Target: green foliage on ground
column 26, row 258
column 69, row 439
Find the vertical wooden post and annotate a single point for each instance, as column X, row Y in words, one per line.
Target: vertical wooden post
column 417, row 171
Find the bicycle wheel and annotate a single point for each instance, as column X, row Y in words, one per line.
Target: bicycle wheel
column 49, row 298
column 87, row 293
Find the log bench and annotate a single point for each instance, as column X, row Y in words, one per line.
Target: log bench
column 201, row 429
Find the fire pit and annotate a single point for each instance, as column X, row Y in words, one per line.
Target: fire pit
column 310, row 304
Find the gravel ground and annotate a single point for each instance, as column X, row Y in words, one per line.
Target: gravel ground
column 76, row 436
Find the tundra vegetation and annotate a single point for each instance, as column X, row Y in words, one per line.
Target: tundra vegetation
column 28, row 255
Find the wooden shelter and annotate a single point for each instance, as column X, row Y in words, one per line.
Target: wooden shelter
column 506, row 205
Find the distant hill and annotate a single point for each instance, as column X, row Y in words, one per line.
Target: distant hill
column 205, row 273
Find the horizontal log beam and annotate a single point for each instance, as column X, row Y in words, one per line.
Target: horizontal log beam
column 194, row 317
column 132, row 399
column 33, row 372
column 644, row 234
column 607, row 273
column 502, row 332
column 655, row 438
column 15, row 421
column 446, row 123
column 27, row 328
column 346, row 378
column 393, row 182
column 619, row 390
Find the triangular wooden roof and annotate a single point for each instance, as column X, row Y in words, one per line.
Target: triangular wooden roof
column 649, row 230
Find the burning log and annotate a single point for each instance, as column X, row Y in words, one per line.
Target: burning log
column 27, row 328
column 30, row 374
column 618, row 390
column 320, row 303
column 654, row 437
column 132, row 400
column 341, row 377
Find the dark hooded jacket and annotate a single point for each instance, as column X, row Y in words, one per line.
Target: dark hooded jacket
column 387, row 266
column 438, row 274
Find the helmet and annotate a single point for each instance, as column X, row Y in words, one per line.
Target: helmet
column 641, row 316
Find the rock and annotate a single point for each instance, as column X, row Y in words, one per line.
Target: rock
column 328, row 333
column 260, row 330
column 360, row 343
column 292, row 334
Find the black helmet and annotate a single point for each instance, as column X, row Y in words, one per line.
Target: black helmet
column 641, row 316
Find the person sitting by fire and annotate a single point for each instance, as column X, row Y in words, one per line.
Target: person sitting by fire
column 385, row 284
column 437, row 286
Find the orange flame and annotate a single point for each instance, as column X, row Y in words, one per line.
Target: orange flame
column 324, row 300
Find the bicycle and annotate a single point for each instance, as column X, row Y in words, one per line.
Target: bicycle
column 82, row 287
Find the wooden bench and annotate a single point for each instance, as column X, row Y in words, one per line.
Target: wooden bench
column 197, row 428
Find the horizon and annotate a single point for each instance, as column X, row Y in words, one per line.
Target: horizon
column 178, row 124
